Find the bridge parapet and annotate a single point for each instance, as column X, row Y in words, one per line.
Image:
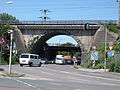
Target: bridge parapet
column 60, row 27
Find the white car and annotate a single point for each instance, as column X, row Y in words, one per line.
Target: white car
column 60, row 61
column 29, row 59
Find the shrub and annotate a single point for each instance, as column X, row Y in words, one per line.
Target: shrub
column 99, row 66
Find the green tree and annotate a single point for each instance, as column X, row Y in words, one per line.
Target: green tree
column 67, row 45
column 7, row 19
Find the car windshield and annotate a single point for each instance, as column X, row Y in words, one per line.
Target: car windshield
column 59, row 58
column 24, row 56
column 68, row 59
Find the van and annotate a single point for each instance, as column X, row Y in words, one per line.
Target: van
column 59, row 59
column 29, row 59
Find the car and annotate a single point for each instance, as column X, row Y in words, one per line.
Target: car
column 44, row 60
column 69, row 61
column 52, row 61
column 60, row 61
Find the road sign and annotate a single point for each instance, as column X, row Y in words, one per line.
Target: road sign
column 110, row 47
column 94, row 55
column 111, row 53
column 3, row 41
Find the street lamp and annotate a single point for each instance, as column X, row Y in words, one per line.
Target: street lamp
column 10, row 58
column 10, row 2
column 60, row 41
column 118, row 12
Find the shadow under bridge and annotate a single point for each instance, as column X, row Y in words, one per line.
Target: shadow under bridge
column 51, row 51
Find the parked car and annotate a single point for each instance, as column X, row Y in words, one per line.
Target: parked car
column 52, row 61
column 60, row 61
column 29, row 59
column 44, row 60
column 69, row 61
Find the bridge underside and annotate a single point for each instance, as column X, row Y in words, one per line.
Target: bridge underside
column 50, row 52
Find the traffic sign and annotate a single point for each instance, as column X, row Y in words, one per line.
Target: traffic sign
column 110, row 47
column 3, row 41
column 94, row 55
column 111, row 53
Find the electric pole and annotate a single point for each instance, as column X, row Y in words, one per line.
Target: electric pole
column 45, row 11
column 118, row 12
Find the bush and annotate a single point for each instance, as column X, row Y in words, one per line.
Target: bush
column 114, row 65
column 14, row 59
column 99, row 66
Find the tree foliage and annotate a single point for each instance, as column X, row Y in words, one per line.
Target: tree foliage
column 6, row 18
column 67, row 45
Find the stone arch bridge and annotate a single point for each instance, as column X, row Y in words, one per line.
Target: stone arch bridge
column 36, row 35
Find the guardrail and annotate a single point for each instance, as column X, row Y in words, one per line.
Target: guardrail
column 62, row 22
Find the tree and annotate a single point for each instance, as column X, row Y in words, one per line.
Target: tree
column 7, row 19
column 67, row 45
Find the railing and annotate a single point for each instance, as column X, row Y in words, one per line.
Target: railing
column 59, row 44
column 62, row 22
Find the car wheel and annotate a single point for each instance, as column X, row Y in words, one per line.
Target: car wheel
column 21, row 65
column 31, row 64
column 39, row 64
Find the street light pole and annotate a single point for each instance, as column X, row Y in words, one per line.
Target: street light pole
column 9, row 2
column 60, row 41
column 105, row 48
column 118, row 12
column 10, row 58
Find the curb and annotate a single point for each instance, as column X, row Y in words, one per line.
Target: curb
column 93, row 70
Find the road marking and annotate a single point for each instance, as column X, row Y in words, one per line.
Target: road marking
column 46, row 73
column 30, row 85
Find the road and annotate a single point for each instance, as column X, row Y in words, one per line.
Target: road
column 58, row 77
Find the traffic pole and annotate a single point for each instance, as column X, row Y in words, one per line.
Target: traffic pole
column 10, row 58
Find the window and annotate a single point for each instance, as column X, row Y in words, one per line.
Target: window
column 24, row 56
column 35, row 57
column 31, row 56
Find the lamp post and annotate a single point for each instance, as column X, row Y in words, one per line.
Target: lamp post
column 105, row 48
column 10, row 58
column 118, row 12
column 60, row 41
column 9, row 2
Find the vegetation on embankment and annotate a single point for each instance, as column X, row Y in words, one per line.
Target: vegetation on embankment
column 112, row 62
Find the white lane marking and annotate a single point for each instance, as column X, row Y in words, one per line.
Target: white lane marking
column 30, row 85
column 46, row 73
column 56, row 84
column 46, row 79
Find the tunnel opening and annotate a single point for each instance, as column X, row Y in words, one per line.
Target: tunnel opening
column 50, row 45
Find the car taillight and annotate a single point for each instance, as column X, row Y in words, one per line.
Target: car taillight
column 29, row 61
column 18, row 61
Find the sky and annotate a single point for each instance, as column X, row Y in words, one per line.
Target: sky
column 28, row 10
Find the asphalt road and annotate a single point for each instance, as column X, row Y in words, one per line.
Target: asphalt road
column 58, row 77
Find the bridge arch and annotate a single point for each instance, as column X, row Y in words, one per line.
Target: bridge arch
column 40, row 44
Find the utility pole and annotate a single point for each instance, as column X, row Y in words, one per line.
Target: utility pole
column 118, row 12
column 105, row 48
column 10, row 58
column 45, row 11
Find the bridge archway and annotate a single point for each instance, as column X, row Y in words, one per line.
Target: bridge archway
column 41, row 47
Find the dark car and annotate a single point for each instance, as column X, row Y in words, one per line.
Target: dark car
column 69, row 61
column 44, row 61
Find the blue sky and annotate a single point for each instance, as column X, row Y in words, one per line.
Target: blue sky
column 62, row 10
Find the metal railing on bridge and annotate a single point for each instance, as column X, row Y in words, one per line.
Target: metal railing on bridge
column 59, row 44
column 62, row 22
